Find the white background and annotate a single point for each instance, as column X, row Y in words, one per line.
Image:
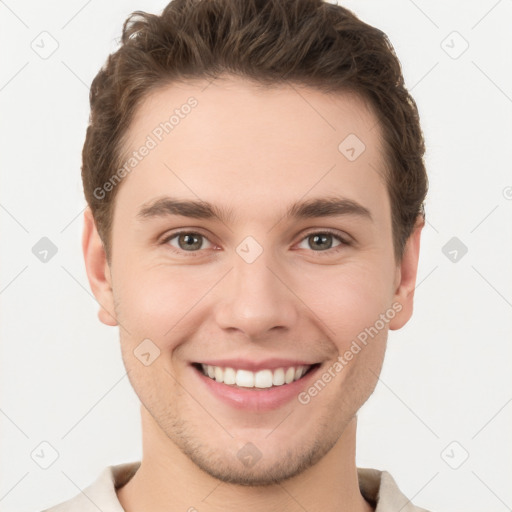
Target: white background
column 447, row 374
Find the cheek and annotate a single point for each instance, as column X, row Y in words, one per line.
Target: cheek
column 156, row 302
column 347, row 300
column 153, row 307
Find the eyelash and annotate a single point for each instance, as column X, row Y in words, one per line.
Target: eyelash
column 333, row 250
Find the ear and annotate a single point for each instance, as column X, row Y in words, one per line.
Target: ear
column 406, row 277
column 98, row 271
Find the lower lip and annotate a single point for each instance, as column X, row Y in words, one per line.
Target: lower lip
column 256, row 399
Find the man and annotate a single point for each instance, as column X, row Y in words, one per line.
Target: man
column 255, row 180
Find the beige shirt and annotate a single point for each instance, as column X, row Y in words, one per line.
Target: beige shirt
column 377, row 487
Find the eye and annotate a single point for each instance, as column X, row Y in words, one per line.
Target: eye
column 323, row 241
column 187, row 241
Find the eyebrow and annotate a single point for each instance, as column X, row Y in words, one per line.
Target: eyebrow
column 313, row 208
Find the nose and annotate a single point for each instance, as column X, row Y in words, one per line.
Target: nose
column 255, row 298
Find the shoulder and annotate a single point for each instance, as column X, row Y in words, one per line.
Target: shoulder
column 379, row 488
column 100, row 494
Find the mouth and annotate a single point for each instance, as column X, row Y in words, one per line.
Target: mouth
column 262, row 379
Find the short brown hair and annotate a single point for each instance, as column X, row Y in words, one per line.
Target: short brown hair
column 306, row 42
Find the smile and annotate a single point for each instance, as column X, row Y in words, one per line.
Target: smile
column 265, row 378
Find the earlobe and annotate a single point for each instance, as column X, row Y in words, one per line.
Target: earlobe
column 406, row 277
column 98, row 271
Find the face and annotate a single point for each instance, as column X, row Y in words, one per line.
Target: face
column 250, row 283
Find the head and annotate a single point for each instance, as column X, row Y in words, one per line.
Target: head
column 248, row 108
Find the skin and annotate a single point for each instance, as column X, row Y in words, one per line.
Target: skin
column 298, row 299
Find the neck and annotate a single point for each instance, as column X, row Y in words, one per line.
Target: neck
column 167, row 480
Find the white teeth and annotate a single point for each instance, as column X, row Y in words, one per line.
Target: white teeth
column 278, row 377
column 229, row 376
column 289, row 375
column 244, row 378
column 260, row 379
column 298, row 373
column 263, row 379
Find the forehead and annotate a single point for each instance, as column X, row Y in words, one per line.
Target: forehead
column 238, row 106
column 284, row 141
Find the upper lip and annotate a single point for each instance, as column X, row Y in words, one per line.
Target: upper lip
column 247, row 364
